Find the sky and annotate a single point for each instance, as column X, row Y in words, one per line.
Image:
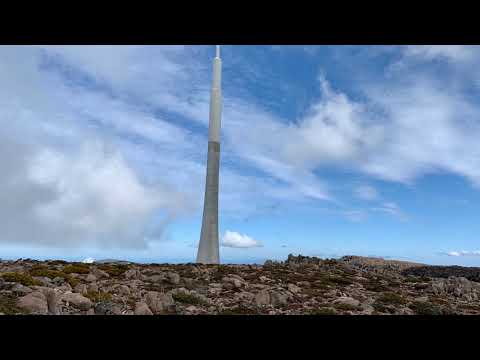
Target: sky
column 326, row 151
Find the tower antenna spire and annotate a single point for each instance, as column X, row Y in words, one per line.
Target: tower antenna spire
column 208, row 248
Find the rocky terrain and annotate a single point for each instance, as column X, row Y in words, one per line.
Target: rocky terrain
column 300, row 285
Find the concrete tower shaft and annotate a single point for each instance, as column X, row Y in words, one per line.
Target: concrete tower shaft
column 208, row 249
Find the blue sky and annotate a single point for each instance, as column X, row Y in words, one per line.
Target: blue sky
column 326, row 151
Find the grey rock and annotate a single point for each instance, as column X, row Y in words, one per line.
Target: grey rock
column 142, row 309
column 58, row 281
column 45, row 281
column 35, row 302
column 173, row 278
column 345, row 300
column 107, row 308
column 294, row 288
column 77, row 300
column 132, row 274
column 19, row 289
column 159, row 303
column 92, row 287
column 278, row 299
column 100, row 274
column 123, row 290
column 91, row 278
column 52, row 297
column 192, row 309
column 262, row 298
column 81, row 289
column 156, row 278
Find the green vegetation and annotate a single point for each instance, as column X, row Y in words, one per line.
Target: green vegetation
column 238, row 310
column 114, row 270
column 340, row 280
column 416, row 279
column 77, row 268
column 347, row 307
column 72, row 281
column 382, row 308
column 391, row 298
column 8, row 305
column 323, row 311
column 44, row 271
column 425, row 308
column 98, row 296
column 22, row 278
column 57, row 262
column 188, row 299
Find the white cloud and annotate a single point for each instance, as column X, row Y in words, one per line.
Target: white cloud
column 448, row 52
column 366, row 192
column 463, row 253
column 88, row 260
column 392, row 209
column 234, row 239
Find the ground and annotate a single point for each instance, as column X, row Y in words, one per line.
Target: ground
column 298, row 286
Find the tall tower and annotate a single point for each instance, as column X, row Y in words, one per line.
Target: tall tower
column 208, row 249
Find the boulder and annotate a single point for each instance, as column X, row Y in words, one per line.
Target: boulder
column 123, row 290
column 19, row 289
column 91, row 278
column 235, row 282
column 158, row 302
column 294, row 288
column 262, row 298
column 77, row 300
column 156, row 278
column 192, row 309
column 35, row 302
column 173, row 278
column 92, row 287
column 107, row 308
column 100, row 274
column 132, row 274
column 278, row 298
column 81, row 289
column 52, row 297
column 142, row 309
column 345, row 300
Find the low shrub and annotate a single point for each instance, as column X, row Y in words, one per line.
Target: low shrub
column 322, row 311
column 77, row 268
column 98, row 296
column 391, row 298
column 114, row 270
column 188, row 299
column 425, row 308
column 22, row 278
